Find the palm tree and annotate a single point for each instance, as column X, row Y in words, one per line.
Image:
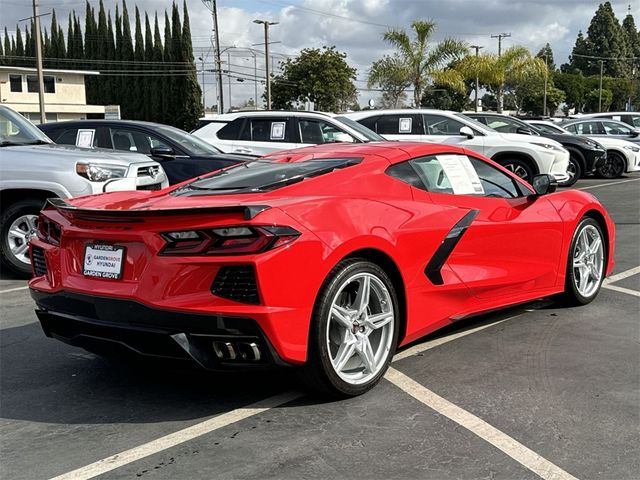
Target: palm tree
column 513, row 66
column 426, row 62
column 392, row 75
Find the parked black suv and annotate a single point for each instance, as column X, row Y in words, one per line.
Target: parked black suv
column 585, row 154
column 181, row 154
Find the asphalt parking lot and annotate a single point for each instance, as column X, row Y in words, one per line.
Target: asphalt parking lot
column 531, row 392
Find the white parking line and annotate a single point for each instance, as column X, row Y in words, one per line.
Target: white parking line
column 622, row 275
column 9, row 290
column 609, row 184
column 523, row 455
column 128, row 456
column 628, row 291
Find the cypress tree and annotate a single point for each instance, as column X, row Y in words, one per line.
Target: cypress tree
column 147, row 82
column 102, row 82
column 8, row 51
column 62, row 51
column 29, row 44
column 77, row 33
column 177, row 80
column 55, row 54
column 633, row 37
column 71, row 50
column 111, row 55
column 91, row 43
column 192, row 95
column 117, row 80
column 19, row 43
column 608, row 40
column 155, row 106
column 46, row 45
column 138, row 86
column 126, row 94
column 165, row 84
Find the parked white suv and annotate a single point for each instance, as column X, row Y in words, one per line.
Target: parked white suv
column 263, row 132
column 33, row 168
column 524, row 155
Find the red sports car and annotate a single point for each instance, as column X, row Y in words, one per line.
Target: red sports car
column 326, row 258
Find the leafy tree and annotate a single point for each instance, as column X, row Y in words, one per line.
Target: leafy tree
column 165, row 85
column 579, row 60
column 8, row 51
column 138, row 109
column 191, row 95
column 497, row 72
column 574, row 87
column 426, row 62
column 633, row 36
column 19, row 43
column 444, row 97
column 592, row 100
column 318, row 75
column 391, row 74
column 157, row 81
column 148, row 82
column 607, row 39
column 546, row 54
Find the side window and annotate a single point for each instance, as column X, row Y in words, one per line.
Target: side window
column 399, row 125
column 369, row 122
column 268, row 130
column 456, row 174
column 49, row 84
column 122, row 140
column 616, row 129
column 439, row 125
column 588, row 128
column 15, row 83
column 64, row 137
column 317, row 132
column 502, row 125
column 231, row 131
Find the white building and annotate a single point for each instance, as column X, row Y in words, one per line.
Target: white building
column 65, row 96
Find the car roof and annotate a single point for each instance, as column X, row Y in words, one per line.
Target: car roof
column 396, row 111
column 227, row 117
column 604, row 114
column 591, row 119
column 132, row 123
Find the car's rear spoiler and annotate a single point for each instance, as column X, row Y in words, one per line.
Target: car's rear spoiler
column 98, row 214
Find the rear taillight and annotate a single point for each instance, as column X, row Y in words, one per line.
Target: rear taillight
column 49, row 231
column 233, row 240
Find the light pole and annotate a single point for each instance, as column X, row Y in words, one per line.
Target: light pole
column 204, row 101
column 600, row 95
column 477, row 47
column 36, row 27
column 266, row 57
column 211, row 5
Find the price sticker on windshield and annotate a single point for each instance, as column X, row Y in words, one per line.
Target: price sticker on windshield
column 462, row 176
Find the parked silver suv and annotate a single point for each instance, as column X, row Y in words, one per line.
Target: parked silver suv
column 33, row 168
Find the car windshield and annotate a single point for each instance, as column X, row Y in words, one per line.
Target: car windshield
column 370, row 135
column 480, row 126
column 192, row 144
column 544, row 127
column 262, row 176
column 17, row 130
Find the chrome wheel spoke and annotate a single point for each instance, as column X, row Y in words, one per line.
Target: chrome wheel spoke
column 588, row 261
column 378, row 320
column 362, row 298
column 344, row 354
column 365, row 352
column 342, row 315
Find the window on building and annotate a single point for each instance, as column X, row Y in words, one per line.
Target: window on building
column 49, row 84
column 16, row 83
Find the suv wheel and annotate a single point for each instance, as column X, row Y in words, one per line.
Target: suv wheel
column 574, row 170
column 519, row 167
column 18, row 223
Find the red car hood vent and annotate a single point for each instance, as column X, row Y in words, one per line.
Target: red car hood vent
column 137, row 215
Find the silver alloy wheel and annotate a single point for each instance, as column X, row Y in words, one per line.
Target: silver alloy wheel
column 571, row 171
column 518, row 170
column 19, row 234
column 588, row 261
column 360, row 328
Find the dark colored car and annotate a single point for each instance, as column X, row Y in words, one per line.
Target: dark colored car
column 585, row 154
column 182, row 155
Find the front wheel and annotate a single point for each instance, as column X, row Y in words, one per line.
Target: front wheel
column 585, row 264
column 354, row 330
column 613, row 166
column 18, row 223
column 519, row 167
column 574, row 169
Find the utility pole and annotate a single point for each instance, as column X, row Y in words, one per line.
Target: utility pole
column 204, row 101
column 600, row 96
column 266, row 57
column 477, row 48
column 36, row 27
column 500, row 36
column 229, row 77
column 546, row 80
column 211, row 5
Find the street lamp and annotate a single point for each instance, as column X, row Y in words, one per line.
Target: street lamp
column 266, row 57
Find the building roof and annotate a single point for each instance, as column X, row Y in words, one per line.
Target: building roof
column 5, row 68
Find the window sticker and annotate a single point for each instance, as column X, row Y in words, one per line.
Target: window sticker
column 405, row 125
column 462, row 176
column 277, row 130
column 84, row 138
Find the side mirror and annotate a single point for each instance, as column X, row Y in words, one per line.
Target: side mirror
column 635, row 132
column 524, row 131
column 467, row 132
column 544, row 184
column 162, row 151
column 343, row 138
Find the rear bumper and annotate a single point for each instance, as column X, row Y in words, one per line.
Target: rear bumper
column 212, row 342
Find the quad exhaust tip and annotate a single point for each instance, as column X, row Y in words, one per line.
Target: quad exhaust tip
column 247, row 351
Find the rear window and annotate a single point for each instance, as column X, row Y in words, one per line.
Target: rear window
column 262, row 176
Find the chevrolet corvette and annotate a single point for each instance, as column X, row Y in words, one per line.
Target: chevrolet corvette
column 324, row 258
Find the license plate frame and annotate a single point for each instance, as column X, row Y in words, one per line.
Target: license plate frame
column 109, row 263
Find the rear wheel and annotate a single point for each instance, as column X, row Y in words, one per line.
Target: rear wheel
column 354, row 330
column 574, row 169
column 519, row 167
column 613, row 166
column 18, row 223
column 585, row 264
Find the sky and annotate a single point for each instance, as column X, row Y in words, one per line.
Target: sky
column 352, row 26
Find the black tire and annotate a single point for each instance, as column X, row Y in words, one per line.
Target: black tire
column 11, row 262
column 574, row 170
column 571, row 295
column 318, row 373
column 517, row 166
column 614, row 165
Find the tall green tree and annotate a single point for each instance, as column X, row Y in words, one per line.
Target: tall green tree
column 175, row 80
column 138, row 108
column 157, row 91
column 426, row 62
column 8, row 51
column 166, row 91
column 192, row 109
column 607, row 40
column 546, row 54
column 19, row 42
column 393, row 76
column 318, row 75
column 148, row 82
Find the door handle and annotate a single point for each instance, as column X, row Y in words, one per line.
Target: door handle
column 243, row 150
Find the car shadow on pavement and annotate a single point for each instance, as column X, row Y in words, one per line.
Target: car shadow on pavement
column 43, row 380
